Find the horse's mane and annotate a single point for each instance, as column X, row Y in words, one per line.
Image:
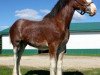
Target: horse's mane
column 60, row 4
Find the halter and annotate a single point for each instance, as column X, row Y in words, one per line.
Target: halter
column 86, row 5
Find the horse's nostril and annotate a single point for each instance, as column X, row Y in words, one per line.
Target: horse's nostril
column 94, row 11
column 92, row 14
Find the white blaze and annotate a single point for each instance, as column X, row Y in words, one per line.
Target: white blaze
column 93, row 7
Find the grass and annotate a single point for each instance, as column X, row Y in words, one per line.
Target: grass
column 92, row 72
column 34, row 71
column 6, row 55
column 5, row 70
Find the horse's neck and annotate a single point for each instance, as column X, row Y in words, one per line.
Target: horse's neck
column 65, row 16
column 62, row 15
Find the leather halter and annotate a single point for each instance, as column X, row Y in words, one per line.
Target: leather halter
column 86, row 5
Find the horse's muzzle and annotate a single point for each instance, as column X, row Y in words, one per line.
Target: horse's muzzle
column 91, row 9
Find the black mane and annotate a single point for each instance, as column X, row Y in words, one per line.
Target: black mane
column 60, row 4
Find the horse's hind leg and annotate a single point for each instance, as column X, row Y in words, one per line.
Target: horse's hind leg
column 15, row 69
column 17, row 56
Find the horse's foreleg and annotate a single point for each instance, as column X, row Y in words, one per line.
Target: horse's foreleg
column 53, row 60
column 60, row 60
column 52, row 66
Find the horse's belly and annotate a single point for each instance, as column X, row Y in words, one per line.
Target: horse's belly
column 43, row 48
column 40, row 45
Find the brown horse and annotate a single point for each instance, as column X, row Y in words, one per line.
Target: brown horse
column 51, row 33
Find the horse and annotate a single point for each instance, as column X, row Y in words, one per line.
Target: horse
column 50, row 33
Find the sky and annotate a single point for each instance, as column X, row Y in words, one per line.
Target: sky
column 11, row 10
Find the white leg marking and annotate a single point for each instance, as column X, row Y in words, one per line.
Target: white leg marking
column 52, row 66
column 59, row 63
column 15, row 69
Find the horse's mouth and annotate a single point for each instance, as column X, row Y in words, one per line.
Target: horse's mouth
column 92, row 14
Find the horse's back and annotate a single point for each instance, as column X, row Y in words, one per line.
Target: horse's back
column 34, row 32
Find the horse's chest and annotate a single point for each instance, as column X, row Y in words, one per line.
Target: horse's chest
column 66, row 37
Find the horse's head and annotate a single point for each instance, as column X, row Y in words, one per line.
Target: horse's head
column 85, row 6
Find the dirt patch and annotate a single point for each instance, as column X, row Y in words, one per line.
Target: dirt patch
column 42, row 61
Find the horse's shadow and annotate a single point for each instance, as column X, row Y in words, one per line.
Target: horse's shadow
column 44, row 72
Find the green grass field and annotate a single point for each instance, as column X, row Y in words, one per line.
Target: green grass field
column 33, row 71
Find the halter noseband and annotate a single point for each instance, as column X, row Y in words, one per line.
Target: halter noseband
column 86, row 5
